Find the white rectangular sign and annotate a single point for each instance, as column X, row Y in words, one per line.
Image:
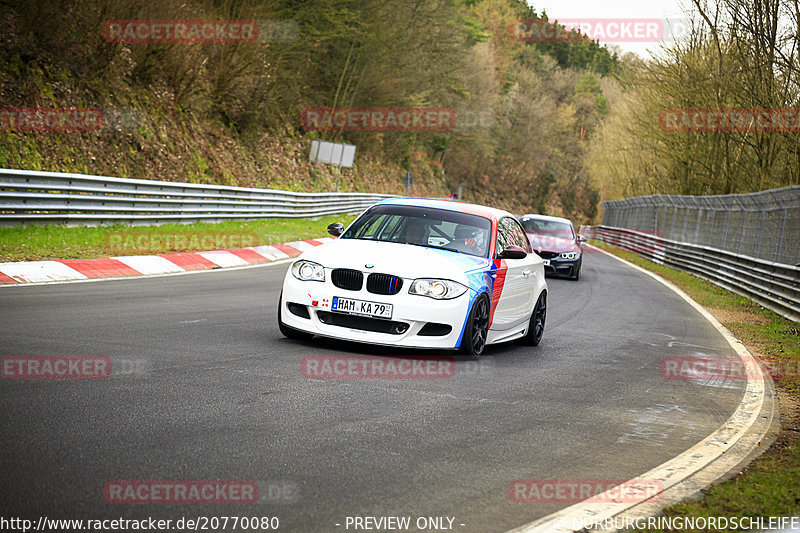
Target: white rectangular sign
column 338, row 154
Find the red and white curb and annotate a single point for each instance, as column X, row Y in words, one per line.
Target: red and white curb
column 147, row 265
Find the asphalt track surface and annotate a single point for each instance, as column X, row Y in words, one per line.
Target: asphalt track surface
column 209, row 389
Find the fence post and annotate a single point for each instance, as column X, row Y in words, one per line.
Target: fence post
column 741, row 226
column 711, row 224
column 760, row 224
column 697, row 202
column 685, row 217
column 674, row 216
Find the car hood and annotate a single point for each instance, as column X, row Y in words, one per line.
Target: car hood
column 549, row 243
column 404, row 260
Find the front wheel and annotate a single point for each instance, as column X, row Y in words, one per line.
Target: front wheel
column 286, row 331
column 474, row 339
column 536, row 326
column 578, row 271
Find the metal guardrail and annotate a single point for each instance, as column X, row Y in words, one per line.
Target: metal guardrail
column 764, row 224
column 28, row 197
column 776, row 286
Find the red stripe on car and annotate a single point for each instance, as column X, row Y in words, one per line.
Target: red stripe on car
column 497, row 289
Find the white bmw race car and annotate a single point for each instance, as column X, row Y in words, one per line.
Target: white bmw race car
column 420, row 274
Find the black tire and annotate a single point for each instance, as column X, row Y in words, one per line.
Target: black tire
column 286, row 331
column 474, row 339
column 536, row 325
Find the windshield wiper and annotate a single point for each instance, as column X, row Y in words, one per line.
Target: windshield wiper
column 433, row 247
column 449, row 249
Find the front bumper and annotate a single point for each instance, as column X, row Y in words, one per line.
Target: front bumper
column 306, row 306
column 564, row 268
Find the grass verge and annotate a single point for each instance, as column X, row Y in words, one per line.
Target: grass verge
column 770, row 485
column 33, row 243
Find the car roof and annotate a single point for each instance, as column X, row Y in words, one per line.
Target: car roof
column 450, row 205
column 547, row 217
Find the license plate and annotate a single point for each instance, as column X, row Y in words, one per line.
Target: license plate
column 546, row 262
column 361, row 307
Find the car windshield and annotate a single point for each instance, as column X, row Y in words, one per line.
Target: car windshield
column 421, row 226
column 552, row 228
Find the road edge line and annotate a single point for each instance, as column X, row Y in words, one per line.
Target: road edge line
column 677, row 474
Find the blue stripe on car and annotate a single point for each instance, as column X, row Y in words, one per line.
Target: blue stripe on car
column 479, row 272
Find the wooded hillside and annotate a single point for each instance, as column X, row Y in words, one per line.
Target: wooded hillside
column 229, row 112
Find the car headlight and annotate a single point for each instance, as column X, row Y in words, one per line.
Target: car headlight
column 439, row 289
column 569, row 255
column 308, row 271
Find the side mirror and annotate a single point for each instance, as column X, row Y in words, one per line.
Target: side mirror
column 513, row 252
column 581, row 238
column 336, row 229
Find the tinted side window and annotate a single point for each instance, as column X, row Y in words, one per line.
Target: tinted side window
column 502, row 237
column 510, row 233
column 518, row 236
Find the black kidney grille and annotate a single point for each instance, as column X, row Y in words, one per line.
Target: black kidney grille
column 384, row 284
column 548, row 255
column 346, row 278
